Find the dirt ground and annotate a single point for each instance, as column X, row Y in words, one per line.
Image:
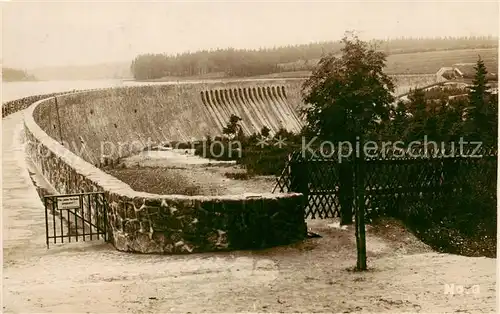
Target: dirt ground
column 312, row 276
column 201, row 180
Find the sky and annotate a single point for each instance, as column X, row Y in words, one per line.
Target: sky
column 43, row 33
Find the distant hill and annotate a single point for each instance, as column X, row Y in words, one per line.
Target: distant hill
column 265, row 61
column 13, row 75
column 112, row 70
column 424, row 62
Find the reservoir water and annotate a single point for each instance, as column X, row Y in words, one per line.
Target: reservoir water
column 15, row 90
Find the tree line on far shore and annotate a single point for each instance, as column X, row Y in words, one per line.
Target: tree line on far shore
column 10, row 74
column 241, row 62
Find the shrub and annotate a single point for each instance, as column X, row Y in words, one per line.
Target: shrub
column 461, row 221
column 238, row 175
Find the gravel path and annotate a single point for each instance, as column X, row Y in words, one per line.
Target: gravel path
column 312, row 276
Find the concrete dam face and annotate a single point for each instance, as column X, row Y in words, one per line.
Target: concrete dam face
column 122, row 121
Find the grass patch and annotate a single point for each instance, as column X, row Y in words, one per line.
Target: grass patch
column 432, row 61
column 463, row 223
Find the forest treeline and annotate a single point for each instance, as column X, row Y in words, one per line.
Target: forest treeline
column 10, row 74
column 245, row 62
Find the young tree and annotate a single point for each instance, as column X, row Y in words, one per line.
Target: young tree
column 233, row 127
column 482, row 111
column 265, row 131
column 478, row 90
column 453, row 118
column 417, row 106
column 396, row 128
column 348, row 97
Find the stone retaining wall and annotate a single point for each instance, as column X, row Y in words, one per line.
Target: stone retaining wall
column 149, row 223
column 14, row 106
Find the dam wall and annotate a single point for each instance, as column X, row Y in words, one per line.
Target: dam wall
column 112, row 123
column 403, row 82
column 149, row 223
column 14, row 106
column 117, row 122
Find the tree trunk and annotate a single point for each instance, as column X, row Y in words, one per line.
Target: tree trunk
column 360, row 210
column 346, row 192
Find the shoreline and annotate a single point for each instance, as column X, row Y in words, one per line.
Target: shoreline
column 251, row 78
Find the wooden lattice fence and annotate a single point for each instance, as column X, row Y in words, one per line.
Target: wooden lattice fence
column 393, row 180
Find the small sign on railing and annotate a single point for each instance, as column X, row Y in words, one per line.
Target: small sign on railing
column 79, row 217
column 68, row 202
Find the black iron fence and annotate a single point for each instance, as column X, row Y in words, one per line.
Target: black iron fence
column 75, row 217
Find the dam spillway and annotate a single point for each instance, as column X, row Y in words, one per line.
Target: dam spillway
column 257, row 106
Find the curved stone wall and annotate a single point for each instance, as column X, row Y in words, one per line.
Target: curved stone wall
column 13, row 106
column 149, row 223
